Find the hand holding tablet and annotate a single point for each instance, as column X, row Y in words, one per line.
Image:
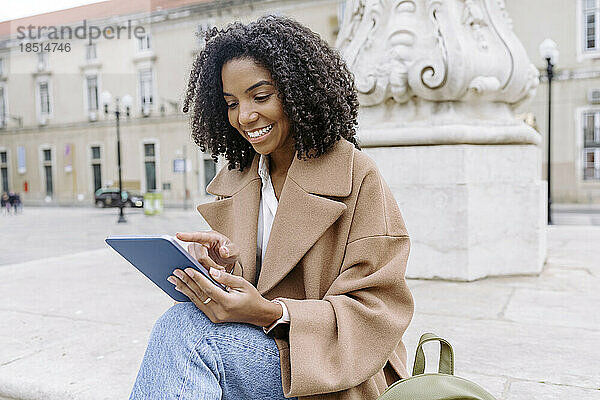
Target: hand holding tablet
column 221, row 296
column 157, row 257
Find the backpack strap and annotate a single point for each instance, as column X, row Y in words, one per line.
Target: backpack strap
column 446, row 365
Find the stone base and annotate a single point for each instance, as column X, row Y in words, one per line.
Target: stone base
column 472, row 211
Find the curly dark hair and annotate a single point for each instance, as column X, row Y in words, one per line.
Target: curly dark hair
column 314, row 85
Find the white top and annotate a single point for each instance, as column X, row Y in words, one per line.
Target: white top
column 267, row 208
column 266, row 214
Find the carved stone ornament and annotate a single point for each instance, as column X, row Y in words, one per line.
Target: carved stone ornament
column 452, row 64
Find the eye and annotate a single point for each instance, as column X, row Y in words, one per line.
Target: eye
column 232, row 105
column 262, row 98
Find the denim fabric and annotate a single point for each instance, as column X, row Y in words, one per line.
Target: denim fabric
column 189, row 357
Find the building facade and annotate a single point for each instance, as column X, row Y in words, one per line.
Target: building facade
column 575, row 139
column 57, row 145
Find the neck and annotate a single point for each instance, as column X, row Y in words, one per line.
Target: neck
column 281, row 159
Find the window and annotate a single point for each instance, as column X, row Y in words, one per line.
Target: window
column 4, row 170
column 48, row 176
column 47, row 170
column 45, row 107
column 95, row 152
column 2, row 108
column 91, row 83
column 149, row 150
column 90, row 51
column 144, row 42
column 21, row 160
column 591, row 33
column 145, row 76
column 96, row 167
column 150, row 166
column 1, row 66
column 44, row 98
column 591, row 145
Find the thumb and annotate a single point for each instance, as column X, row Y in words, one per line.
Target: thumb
column 227, row 279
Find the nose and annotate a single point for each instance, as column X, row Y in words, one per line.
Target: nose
column 247, row 115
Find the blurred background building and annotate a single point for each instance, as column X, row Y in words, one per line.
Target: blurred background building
column 575, row 27
column 57, row 146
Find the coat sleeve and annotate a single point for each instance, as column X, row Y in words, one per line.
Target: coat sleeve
column 342, row 340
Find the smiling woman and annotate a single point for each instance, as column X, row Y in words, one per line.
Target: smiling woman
column 311, row 82
column 254, row 108
column 306, row 234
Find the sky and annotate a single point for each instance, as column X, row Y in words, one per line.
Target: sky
column 11, row 9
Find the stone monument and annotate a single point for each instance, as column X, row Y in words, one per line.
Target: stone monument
column 438, row 81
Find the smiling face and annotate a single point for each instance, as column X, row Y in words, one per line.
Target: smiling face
column 254, row 108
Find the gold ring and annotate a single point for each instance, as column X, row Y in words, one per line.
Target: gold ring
column 208, row 299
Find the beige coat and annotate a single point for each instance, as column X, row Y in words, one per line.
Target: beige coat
column 337, row 255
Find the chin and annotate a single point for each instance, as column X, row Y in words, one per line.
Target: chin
column 263, row 151
column 265, row 148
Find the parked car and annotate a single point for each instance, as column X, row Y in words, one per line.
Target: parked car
column 109, row 197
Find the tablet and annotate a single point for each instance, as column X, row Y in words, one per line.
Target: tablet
column 157, row 257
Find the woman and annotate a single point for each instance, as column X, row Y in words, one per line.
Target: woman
column 313, row 235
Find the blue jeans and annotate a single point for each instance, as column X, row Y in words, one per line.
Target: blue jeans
column 189, row 357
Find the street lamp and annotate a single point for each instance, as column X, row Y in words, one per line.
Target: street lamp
column 126, row 102
column 550, row 53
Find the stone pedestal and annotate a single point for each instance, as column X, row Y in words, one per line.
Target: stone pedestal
column 471, row 210
column 438, row 83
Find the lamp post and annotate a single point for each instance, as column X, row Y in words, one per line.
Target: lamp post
column 550, row 53
column 126, row 102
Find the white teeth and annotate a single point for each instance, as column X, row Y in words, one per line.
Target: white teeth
column 259, row 132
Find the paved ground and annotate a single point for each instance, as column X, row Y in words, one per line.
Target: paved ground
column 576, row 214
column 76, row 317
column 42, row 232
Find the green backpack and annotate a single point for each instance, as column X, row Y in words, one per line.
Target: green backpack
column 441, row 386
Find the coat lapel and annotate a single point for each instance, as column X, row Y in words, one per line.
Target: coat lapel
column 237, row 215
column 300, row 220
column 304, row 213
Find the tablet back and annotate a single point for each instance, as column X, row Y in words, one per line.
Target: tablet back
column 157, row 257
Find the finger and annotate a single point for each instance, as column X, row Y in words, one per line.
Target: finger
column 191, row 283
column 220, row 248
column 231, row 281
column 220, row 268
column 210, row 238
column 201, row 254
column 199, row 302
column 209, row 288
column 182, row 287
column 226, row 254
